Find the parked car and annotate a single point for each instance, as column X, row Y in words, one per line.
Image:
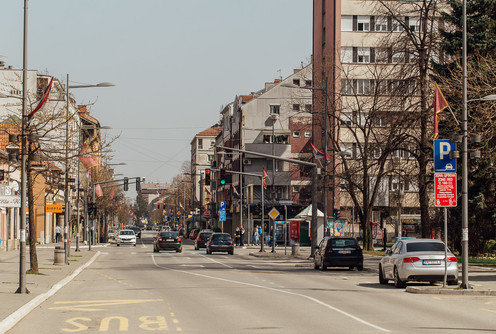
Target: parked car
column 126, row 237
column 167, row 240
column 136, row 230
column 202, row 238
column 338, row 252
column 193, row 234
column 220, row 242
column 417, row 260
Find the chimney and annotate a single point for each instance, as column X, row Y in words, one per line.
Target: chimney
column 2, row 64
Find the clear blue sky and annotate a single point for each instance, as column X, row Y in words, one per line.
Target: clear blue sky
column 174, row 63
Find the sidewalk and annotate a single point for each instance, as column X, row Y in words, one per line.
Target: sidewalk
column 38, row 285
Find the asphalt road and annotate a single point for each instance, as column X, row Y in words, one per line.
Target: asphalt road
column 131, row 289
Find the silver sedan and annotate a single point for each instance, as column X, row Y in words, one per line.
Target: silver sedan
column 417, row 260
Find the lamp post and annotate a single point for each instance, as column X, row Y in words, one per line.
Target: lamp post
column 66, row 179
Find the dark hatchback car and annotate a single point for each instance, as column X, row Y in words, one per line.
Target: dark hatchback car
column 220, row 242
column 167, row 241
column 201, row 239
column 136, row 230
column 338, row 252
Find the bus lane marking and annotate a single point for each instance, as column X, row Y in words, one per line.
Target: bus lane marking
column 96, row 305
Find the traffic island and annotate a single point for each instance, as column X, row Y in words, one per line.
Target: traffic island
column 449, row 291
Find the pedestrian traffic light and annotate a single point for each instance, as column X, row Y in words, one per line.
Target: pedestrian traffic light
column 336, row 213
column 207, row 177
column 138, row 184
column 222, row 176
column 126, row 184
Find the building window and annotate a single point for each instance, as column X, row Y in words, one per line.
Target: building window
column 308, row 83
column 275, row 109
column 347, row 87
column 381, row 23
column 296, row 107
column 363, row 86
column 296, row 189
column 296, row 82
column 346, row 54
column 363, row 55
column 363, row 23
column 308, row 134
column 278, row 139
column 308, row 107
column 200, row 143
column 296, row 134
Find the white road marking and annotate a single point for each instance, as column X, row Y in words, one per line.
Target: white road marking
column 226, row 265
column 315, row 300
column 193, row 265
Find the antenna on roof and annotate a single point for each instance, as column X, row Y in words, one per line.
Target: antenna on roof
column 279, row 71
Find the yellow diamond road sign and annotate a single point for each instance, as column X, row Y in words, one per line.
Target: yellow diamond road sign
column 274, row 213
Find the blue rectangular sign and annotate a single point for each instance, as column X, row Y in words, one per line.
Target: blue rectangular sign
column 222, row 205
column 442, row 161
column 222, row 216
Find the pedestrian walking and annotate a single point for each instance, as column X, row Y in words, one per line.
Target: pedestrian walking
column 241, row 236
column 237, row 235
column 255, row 236
column 58, row 233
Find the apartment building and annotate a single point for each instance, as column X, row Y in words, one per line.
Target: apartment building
column 355, row 58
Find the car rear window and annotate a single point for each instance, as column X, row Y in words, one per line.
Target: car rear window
column 221, row 237
column 168, row 234
column 342, row 242
column 126, row 232
column 424, row 247
column 205, row 235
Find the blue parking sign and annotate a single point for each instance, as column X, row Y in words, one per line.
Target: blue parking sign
column 442, row 161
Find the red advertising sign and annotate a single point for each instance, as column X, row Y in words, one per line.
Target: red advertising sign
column 445, row 189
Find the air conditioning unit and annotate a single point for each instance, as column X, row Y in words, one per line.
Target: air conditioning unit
column 246, row 161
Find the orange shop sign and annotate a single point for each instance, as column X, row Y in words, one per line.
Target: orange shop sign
column 56, row 208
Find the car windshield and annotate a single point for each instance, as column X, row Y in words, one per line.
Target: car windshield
column 221, row 237
column 342, row 242
column 168, row 234
column 424, row 247
column 126, row 232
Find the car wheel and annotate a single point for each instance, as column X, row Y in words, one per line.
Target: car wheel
column 118, row 245
column 382, row 280
column 231, row 253
column 398, row 283
column 360, row 267
column 351, row 268
column 453, row 282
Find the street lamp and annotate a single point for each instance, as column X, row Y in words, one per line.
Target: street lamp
column 66, row 179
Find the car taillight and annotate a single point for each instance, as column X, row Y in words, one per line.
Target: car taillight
column 159, row 239
column 230, row 243
column 211, row 242
column 410, row 259
column 199, row 239
column 452, row 259
column 178, row 239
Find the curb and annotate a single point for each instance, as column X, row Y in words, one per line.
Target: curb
column 9, row 322
column 450, row 291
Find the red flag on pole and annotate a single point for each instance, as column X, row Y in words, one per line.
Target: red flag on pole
column 440, row 104
column 264, row 176
column 44, row 98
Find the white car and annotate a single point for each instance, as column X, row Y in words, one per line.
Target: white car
column 126, row 237
column 417, row 260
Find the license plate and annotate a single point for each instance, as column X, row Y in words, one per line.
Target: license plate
column 344, row 252
column 431, row 262
column 169, row 240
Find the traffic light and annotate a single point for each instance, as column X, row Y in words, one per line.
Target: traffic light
column 222, row 176
column 138, row 184
column 207, row 177
column 126, row 184
column 336, row 213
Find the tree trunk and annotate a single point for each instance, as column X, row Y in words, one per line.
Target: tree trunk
column 33, row 258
